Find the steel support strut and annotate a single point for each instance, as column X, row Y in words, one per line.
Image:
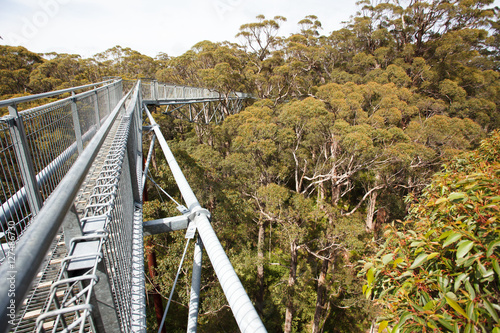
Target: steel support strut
column 243, row 310
column 194, row 302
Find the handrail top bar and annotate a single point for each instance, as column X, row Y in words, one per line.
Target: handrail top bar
column 212, row 90
column 64, row 100
column 23, row 99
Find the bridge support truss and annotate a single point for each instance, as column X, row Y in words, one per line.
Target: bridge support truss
column 196, row 105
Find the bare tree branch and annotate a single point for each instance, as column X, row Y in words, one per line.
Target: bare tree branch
column 363, row 199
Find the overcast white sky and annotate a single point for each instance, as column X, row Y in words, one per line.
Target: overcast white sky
column 87, row 27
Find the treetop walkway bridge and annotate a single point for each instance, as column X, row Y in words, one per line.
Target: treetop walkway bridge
column 71, row 227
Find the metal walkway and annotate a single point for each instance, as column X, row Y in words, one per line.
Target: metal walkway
column 71, row 227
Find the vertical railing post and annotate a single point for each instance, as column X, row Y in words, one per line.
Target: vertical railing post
column 114, row 94
column 194, row 302
column 96, row 110
column 119, row 92
column 138, row 143
column 154, row 90
column 76, row 125
column 18, row 135
column 140, row 104
column 109, row 100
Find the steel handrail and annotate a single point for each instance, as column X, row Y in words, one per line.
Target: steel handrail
column 24, row 99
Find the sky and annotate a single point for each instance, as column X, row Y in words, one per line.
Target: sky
column 87, row 27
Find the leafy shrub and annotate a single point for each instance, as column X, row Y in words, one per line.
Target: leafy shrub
column 439, row 269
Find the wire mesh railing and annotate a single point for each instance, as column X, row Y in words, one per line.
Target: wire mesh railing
column 109, row 228
column 37, row 148
column 154, row 90
column 15, row 210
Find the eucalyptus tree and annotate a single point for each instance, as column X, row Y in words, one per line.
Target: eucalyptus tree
column 16, row 64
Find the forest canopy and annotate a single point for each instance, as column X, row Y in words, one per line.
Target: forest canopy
column 345, row 133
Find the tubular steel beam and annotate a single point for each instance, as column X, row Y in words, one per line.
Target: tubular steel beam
column 165, row 225
column 186, row 191
column 37, row 239
column 194, row 301
column 148, row 160
column 243, row 310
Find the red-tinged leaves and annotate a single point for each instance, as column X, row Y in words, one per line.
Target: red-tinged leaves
column 449, row 245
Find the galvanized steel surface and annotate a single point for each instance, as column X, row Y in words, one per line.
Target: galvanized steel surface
column 50, row 146
column 62, row 139
column 243, row 310
column 31, row 248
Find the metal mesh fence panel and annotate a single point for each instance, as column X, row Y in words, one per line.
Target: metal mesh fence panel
column 86, row 114
column 103, row 104
column 118, row 250
column 49, row 132
column 110, row 206
column 14, row 212
column 48, row 137
column 147, row 88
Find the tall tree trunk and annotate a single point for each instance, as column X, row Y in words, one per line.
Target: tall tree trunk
column 335, row 187
column 199, row 132
column 292, row 278
column 320, row 297
column 260, row 269
column 335, row 191
column 321, row 192
column 157, row 301
column 370, row 211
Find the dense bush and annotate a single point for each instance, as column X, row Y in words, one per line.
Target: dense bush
column 439, row 269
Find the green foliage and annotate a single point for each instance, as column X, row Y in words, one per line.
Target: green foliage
column 438, row 270
column 124, row 62
column 345, row 125
column 16, row 64
column 62, row 71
